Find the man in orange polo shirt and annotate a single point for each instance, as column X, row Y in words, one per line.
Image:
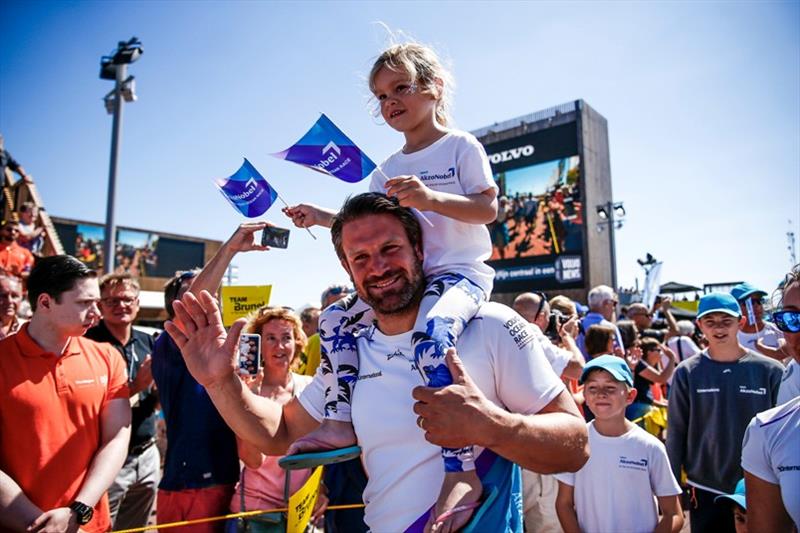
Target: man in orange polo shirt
column 64, row 410
column 14, row 259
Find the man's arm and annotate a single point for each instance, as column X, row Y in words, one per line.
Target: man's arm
column 16, row 510
column 210, row 355
column 553, row 440
column 765, row 510
column 115, row 432
column 774, row 353
column 565, row 508
column 671, row 514
column 672, row 324
column 242, row 240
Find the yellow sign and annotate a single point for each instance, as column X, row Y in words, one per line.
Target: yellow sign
column 240, row 301
column 686, row 306
column 302, row 502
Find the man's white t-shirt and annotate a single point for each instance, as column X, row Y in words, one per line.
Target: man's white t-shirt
column 616, row 489
column 405, row 471
column 790, row 382
column 683, row 346
column 771, row 451
column 456, row 164
column 770, row 335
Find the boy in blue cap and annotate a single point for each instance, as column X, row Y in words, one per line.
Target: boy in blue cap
column 714, row 396
column 737, row 504
column 756, row 334
column 625, row 460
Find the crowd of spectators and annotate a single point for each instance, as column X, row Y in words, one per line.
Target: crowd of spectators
column 678, row 412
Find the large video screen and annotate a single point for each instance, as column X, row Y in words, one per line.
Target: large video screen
column 538, row 236
column 140, row 253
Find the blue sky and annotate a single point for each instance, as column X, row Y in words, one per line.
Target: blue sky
column 702, row 101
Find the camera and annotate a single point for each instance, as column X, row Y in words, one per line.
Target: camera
column 557, row 319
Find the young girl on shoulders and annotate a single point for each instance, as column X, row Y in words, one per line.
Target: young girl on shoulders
column 444, row 175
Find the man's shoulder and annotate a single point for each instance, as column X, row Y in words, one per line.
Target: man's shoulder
column 495, row 314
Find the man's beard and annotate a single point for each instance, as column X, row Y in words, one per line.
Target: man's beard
column 399, row 300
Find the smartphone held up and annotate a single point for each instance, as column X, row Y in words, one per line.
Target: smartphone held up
column 275, row 237
column 249, row 354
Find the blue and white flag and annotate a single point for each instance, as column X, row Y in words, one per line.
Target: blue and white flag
column 247, row 191
column 325, row 148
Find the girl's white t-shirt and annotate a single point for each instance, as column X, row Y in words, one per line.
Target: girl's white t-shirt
column 456, row 164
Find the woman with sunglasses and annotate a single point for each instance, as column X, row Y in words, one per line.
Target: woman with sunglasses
column 770, row 452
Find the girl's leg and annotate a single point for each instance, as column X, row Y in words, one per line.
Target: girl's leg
column 449, row 303
column 338, row 326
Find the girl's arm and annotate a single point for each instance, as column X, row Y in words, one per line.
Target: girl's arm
column 480, row 208
column 651, row 373
column 307, row 215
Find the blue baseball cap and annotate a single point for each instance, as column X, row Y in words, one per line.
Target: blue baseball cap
column 718, row 302
column 743, row 290
column 737, row 497
column 616, row 366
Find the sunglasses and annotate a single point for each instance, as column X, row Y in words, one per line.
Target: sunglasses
column 787, row 321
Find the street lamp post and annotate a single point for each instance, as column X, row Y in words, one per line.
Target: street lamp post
column 611, row 214
column 115, row 67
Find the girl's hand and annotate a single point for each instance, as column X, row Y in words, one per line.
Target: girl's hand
column 307, row 215
column 411, row 192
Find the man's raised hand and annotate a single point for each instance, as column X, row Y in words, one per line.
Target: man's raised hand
column 244, row 239
column 209, row 352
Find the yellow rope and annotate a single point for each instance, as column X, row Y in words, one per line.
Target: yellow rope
column 244, row 514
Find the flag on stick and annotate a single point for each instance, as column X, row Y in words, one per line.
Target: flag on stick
column 247, row 191
column 325, row 148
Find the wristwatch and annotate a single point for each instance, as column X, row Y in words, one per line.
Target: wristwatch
column 83, row 511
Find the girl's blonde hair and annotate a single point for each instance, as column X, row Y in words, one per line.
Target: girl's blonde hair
column 424, row 70
column 266, row 314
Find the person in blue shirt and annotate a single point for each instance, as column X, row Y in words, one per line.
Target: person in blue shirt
column 202, row 465
column 603, row 303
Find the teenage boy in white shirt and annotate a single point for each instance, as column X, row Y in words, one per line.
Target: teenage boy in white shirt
column 624, row 459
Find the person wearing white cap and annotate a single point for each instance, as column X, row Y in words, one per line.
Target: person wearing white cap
column 756, row 334
column 714, row 395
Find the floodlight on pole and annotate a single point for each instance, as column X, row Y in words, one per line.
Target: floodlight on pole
column 611, row 214
column 115, row 67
